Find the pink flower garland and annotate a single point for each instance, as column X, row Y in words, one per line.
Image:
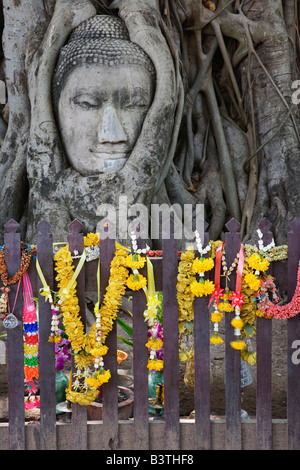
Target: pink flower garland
column 32, row 402
column 286, row 311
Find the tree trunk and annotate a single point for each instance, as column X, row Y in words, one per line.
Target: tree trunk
column 19, row 36
column 235, row 140
column 276, row 128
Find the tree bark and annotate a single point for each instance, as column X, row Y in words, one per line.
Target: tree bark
column 20, row 34
column 271, row 75
column 226, row 83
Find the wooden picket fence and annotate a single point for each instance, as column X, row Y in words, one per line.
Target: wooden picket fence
column 141, row 433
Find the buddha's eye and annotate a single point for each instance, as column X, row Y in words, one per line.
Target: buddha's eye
column 135, row 100
column 134, row 103
column 86, row 101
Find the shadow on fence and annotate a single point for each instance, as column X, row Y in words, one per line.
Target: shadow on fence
column 140, row 433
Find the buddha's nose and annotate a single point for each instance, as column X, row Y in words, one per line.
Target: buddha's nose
column 110, row 128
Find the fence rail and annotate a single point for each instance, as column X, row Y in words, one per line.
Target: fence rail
column 140, row 433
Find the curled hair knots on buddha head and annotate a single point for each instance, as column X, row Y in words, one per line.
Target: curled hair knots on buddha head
column 102, row 40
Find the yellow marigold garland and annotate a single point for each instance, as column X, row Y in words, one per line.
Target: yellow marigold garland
column 237, row 323
column 154, row 343
column 98, row 379
column 200, row 266
column 216, row 317
column 202, row 287
column 85, row 398
column 239, row 344
column 188, row 288
column 255, row 281
column 225, row 304
column 248, row 356
column 134, row 261
column 256, row 277
column 185, row 299
column 86, row 346
column 216, row 339
column 136, row 281
column 156, row 364
column 99, row 351
column 258, row 263
column 250, row 283
column 186, row 355
column 154, row 318
column 91, row 240
column 185, row 296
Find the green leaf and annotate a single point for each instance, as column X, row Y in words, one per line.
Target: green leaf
column 160, row 313
column 249, row 330
column 126, row 341
column 189, row 325
column 125, row 327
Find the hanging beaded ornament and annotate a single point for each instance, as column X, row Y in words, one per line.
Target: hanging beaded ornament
column 3, row 301
column 135, row 261
column 216, row 315
column 200, row 266
column 99, row 375
column 8, row 318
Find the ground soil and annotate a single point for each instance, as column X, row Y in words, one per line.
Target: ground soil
column 279, row 377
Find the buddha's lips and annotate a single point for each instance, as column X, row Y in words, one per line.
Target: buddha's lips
column 106, row 153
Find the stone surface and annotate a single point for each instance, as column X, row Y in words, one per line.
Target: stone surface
column 114, row 127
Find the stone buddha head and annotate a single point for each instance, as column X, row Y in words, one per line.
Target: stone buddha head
column 103, row 87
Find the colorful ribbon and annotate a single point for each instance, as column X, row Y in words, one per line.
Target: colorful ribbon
column 45, row 290
column 218, row 291
column 237, row 297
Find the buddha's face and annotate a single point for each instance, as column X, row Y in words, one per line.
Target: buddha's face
column 101, row 110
